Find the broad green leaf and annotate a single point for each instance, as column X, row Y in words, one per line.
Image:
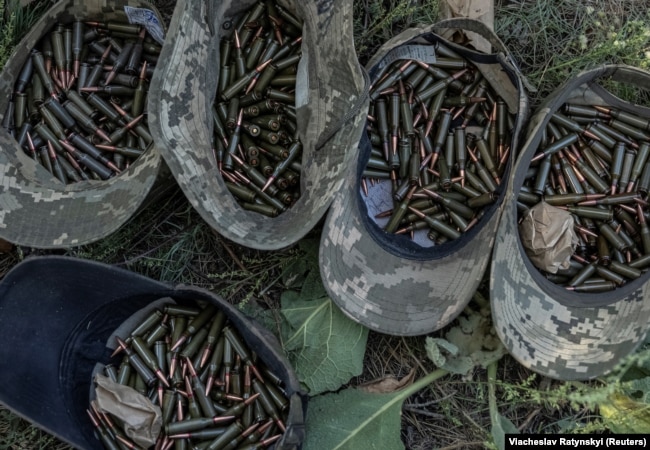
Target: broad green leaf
column 639, row 389
column 294, row 274
column 500, row 427
column 312, row 287
column 325, row 347
column 262, row 315
column 356, row 420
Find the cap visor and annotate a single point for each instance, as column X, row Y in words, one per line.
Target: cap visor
column 389, row 284
column 562, row 334
column 48, row 304
column 537, row 323
column 56, row 317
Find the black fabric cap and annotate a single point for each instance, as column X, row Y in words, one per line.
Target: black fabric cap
column 56, row 315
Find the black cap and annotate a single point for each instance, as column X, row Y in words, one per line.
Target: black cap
column 56, row 317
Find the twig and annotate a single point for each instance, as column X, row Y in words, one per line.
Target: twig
column 423, row 412
column 417, row 360
column 433, row 402
column 233, row 256
column 529, row 419
column 480, row 444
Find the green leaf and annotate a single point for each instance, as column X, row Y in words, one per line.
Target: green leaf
column 472, row 342
column 356, row 420
column 304, row 264
column 325, row 347
column 639, row 389
column 312, row 287
column 626, row 409
column 445, row 355
column 621, row 414
column 500, row 427
column 262, row 315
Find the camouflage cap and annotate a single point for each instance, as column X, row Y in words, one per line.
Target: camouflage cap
column 36, row 209
column 331, row 103
column 385, row 281
column 561, row 334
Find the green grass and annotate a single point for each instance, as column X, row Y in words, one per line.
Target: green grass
column 168, row 241
column 18, row 434
column 553, row 40
column 15, row 22
column 376, row 21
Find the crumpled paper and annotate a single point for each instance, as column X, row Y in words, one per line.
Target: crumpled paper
column 142, row 419
column 482, row 10
column 548, row 237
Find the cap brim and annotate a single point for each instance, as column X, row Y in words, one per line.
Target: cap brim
column 389, row 284
column 560, row 334
column 539, row 327
column 182, row 121
column 57, row 314
column 36, row 210
column 385, row 281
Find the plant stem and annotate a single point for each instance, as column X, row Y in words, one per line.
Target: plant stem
column 492, row 396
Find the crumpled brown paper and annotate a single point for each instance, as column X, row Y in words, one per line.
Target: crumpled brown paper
column 142, row 419
column 548, row 237
column 482, row 10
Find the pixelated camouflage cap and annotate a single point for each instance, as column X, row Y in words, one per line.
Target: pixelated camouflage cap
column 331, row 102
column 36, row 209
column 561, row 334
column 57, row 334
column 385, row 281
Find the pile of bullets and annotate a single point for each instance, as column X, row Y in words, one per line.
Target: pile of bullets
column 593, row 162
column 255, row 141
column 213, row 391
column 440, row 136
column 78, row 105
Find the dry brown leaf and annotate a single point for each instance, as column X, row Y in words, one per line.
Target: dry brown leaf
column 5, row 247
column 388, row 384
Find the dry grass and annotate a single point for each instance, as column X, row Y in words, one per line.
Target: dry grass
column 553, row 40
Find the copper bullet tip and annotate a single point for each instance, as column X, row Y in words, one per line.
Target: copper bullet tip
column 268, row 182
column 143, row 71
column 180, row 342
column 405, row 65
column 99, row 132
column 208, row 384
column 162, row 378
column 237, row 45
column 263, row 66
column 221, row 419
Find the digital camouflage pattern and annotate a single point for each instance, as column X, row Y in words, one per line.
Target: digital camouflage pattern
column 36, row 210
column 561, row 334
column 331, row 103
column 56, row 335
column 406, row 294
